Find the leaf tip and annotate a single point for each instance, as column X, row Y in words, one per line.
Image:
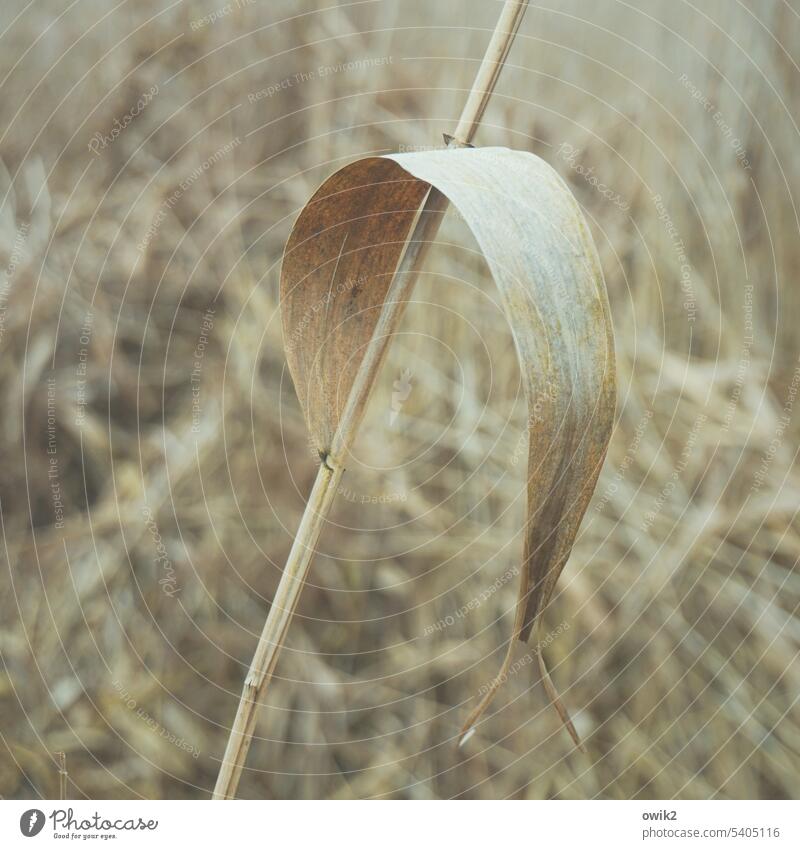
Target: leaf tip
column 465, row 736
column 561, row 710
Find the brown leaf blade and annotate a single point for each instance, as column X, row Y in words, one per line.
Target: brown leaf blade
column 337, row 267
column 542, row 258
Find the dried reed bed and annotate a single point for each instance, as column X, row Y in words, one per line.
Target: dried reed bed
column 126, row 632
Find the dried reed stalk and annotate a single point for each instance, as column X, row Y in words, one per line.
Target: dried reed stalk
column 331, row 468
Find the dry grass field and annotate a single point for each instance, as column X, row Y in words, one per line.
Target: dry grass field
column 154, row 461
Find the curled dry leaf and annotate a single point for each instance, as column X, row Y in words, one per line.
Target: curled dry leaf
column 339, row 263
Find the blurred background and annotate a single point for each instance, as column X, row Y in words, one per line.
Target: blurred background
column 154, row 462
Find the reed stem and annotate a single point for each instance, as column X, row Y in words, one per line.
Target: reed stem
column 330, row 472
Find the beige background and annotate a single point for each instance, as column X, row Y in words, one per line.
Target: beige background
column 125, row 634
